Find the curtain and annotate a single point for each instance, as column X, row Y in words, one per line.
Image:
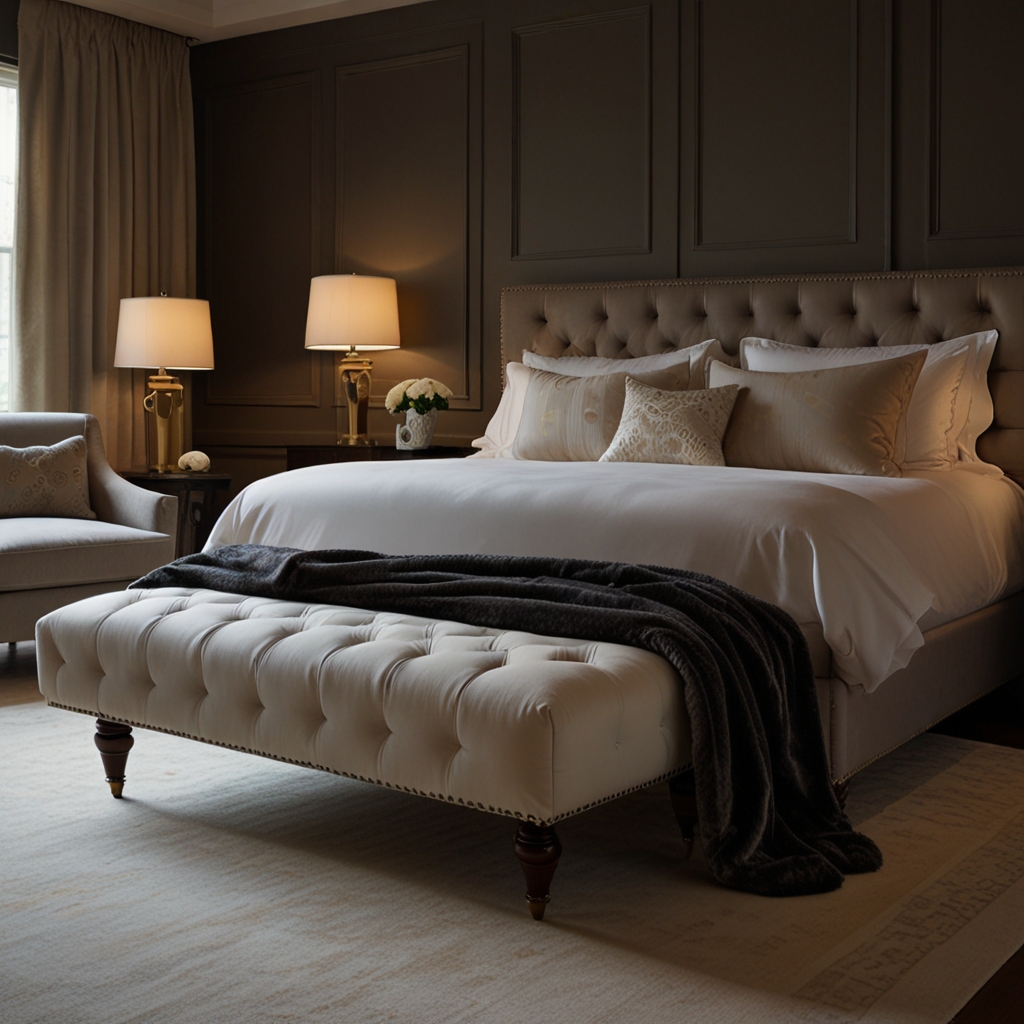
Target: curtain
column 106, row 207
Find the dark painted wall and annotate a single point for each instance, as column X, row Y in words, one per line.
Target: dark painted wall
column 462, row 145
column 9, row 31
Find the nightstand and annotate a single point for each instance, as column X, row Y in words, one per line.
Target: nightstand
column 195, row 517
column 300, row 456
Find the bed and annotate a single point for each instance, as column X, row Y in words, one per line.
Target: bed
column 910, row 590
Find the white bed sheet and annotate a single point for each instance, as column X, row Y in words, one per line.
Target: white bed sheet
column 869, row 559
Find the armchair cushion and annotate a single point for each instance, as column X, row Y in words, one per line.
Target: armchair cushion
column 54, row 552
column 49, row 562
column 46, row 480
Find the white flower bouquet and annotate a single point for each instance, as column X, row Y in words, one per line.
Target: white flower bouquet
column 417, row 396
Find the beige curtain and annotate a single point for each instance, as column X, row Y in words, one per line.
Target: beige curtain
column 106, row 207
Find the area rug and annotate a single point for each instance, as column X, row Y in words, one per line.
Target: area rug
column 226, row 887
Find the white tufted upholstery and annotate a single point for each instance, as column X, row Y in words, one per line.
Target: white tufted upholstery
column 533, row 727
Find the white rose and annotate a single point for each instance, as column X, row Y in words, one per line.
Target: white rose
column 423, row 387
column 428, row 387
column 396, row 394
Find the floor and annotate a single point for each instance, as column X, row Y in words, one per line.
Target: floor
column 998, row 718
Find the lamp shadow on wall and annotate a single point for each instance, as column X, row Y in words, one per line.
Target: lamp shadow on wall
column 432, row 319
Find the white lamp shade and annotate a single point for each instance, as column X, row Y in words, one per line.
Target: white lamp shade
column 350, row 310
column 158, row 331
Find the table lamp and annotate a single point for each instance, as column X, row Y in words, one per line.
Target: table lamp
column 164, row 332
column 346, row 312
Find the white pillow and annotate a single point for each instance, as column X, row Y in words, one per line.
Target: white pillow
column 695, row 357
column 501, row 431
column 951, row 405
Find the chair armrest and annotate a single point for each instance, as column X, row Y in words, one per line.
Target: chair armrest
column 115, row 500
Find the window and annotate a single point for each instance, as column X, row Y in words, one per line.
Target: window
column 8, row 170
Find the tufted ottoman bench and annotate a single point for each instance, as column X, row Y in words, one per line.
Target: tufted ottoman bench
column 536, row 728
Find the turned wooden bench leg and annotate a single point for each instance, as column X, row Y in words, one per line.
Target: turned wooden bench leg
column 684, row 806
column 537, row 849
column 114, row 740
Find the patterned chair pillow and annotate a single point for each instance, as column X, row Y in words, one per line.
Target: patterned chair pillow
column 682, row 427
column 45, row 481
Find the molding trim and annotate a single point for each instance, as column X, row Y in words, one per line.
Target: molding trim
column 209, row 20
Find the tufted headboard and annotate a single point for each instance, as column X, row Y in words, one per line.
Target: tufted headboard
column 636, row 318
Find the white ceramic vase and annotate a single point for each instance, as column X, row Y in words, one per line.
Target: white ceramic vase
column 417, row 430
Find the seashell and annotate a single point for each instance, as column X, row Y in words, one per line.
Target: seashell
column 194, row 462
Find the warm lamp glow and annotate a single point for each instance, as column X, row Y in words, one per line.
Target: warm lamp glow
column 352, row 311
column 164, row 332
column 346, row 312
column 160, row 332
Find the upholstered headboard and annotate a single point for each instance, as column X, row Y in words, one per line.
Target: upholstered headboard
column 635, row 318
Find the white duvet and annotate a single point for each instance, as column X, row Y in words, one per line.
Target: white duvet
column 869, row 559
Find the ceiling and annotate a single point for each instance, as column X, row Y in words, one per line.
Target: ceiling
column 207, row 20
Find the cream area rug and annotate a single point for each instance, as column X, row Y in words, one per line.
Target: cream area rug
column 226, row 887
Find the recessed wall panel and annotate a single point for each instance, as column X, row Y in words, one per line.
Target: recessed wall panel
column 977, row 119
column 776, row 142
column 403, row 209
column 582, row 136
column 262, row 239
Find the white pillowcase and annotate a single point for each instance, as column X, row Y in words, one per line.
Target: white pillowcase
column 501, row 431
column 951, row 405
column 696, row 357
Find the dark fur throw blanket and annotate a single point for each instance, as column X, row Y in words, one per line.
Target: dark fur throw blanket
column 769, row 820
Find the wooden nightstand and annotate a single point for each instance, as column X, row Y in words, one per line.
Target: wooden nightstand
column 300, row 456
column 195, row 517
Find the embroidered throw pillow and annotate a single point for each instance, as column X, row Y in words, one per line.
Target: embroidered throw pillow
column 940, row 406
column 573, row 419
column 682, row 427
column 45, row 481
column 841, row 420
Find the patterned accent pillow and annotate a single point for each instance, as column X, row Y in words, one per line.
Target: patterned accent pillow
column 683, row 427
column 841, row 420
column 45, row 481
column 573, row 419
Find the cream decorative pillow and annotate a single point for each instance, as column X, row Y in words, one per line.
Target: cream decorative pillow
column 842, row 420
column 940, row 407
column 682, row 427
column 45, row 481
column 573, row 419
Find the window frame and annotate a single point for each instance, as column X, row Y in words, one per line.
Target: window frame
column 9, row 80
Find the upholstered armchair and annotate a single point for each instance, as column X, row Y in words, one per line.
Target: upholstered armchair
column 48, row 561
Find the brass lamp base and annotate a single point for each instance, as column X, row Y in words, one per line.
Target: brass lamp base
column 165, row 424
column 352, row 383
